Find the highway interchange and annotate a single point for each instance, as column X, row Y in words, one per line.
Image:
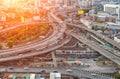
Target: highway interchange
column 109, row 54
column 21, row 51
column 112, row 55
column 54, row 41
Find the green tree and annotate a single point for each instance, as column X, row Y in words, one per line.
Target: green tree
column 95, row 27
column 117, row 76
column 103, row 28
column 1, row 46
column 10, row 44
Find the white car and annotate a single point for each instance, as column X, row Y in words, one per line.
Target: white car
column 93, row 74
column 10, row 67
column 3, row 69
column 26, row 68
column 68, row 70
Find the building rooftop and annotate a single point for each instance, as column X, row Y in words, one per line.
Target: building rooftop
column 112, row 5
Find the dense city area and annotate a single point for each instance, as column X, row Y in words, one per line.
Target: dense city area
column 59, row 39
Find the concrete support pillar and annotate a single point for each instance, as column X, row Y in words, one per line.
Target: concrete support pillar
column 54, row 59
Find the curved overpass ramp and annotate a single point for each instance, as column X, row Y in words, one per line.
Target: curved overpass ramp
column 53, row 42
column 112, row 42
column 37, row 51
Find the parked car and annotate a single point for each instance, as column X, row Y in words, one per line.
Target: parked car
column 26, row 68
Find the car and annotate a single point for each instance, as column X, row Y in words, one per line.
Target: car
column 3, row 69
column 55, row 71
column 10, row 67
column 26, row 68
column 43, row 71
column 93, row 74
column 68, row 70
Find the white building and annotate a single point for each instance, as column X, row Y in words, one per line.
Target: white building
column 117, row 39
column 80, row 3
column 55, row 75
column 85, row 3
column 113, row 9
column 70, row 2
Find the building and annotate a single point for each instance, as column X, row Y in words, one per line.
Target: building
column 70, row 2
column 105, row 17
column 55, row 75
column 117, row 39
column 79, row 3
column 113, row 9
column 86, row 3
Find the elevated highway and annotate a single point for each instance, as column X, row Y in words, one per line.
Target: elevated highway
column 96, row 47
column 110, row 41
column 75, row 71
column 40, row 46
column 107, row 40
column 55, row 38
column 49, row 47
column 108, row 54
column 54, row 42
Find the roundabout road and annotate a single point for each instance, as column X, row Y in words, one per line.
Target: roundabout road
column 30, row 49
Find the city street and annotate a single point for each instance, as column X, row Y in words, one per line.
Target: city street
column 74, row 72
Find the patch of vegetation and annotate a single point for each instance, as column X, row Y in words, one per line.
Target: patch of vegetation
column 117, row 76
column 24, row 34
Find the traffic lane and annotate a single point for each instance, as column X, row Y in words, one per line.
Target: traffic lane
column 74, row 72
column 97, row 48
column 50, row 48
column 94, row 67
column 114, row 43
column 29, row 47
column 104, row 52
column 55, row 31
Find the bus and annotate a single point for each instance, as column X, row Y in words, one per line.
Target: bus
column 32, row 76
column 14, row 77
column 27, row 76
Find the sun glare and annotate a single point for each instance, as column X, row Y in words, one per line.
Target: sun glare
column 11, row 3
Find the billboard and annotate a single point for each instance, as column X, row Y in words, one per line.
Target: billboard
column 80, row 12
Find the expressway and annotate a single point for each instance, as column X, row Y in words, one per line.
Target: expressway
column 75, row 72
column 37, row 51
column 114, row 51
column 109, row 54
column 96, row 47
column 40, row 47
column 37, row 46
column 20, row 48
column 110, row 41
column 55, row 41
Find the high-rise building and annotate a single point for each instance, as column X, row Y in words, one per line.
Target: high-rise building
column 113, row 9
column 85, row 3
column 70, row 2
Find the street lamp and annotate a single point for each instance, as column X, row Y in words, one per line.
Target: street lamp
column 118, row 12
